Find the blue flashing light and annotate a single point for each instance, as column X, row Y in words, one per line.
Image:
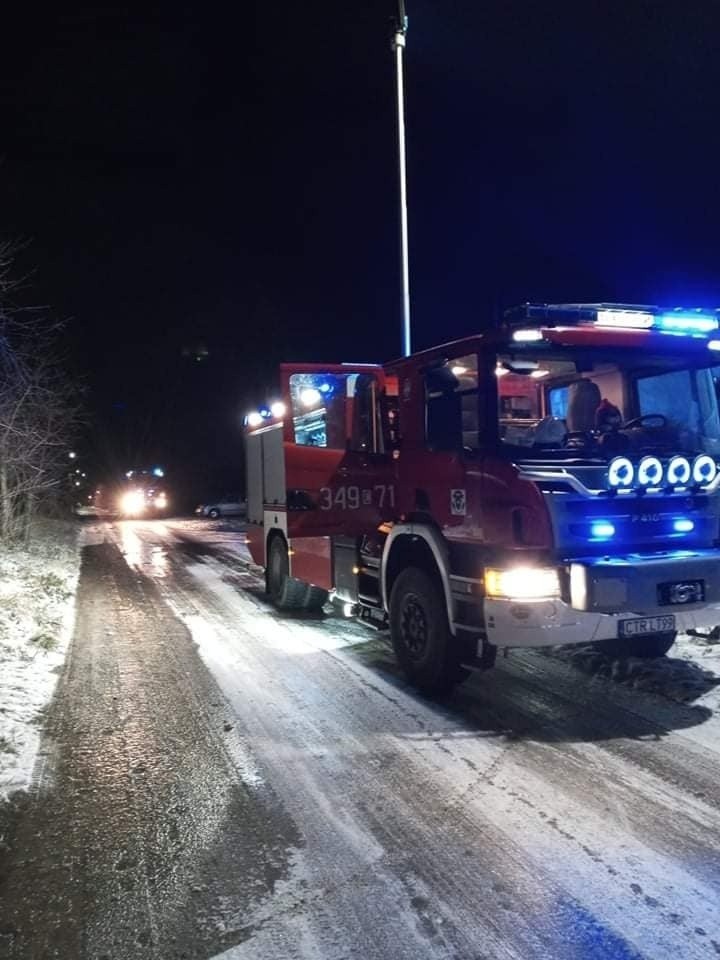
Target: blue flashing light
column 683, row 525
column 602, row 530
column 686, row 322
column 265, row 413
column 158, row 472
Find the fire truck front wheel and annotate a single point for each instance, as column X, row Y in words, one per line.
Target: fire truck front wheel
column 285, row 591
column 420, row 633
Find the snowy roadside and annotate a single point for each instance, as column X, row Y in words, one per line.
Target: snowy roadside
column 689, row 674
column 37, row 613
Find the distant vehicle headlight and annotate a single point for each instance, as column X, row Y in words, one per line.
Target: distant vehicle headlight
column 132, row 502
column 161, row 501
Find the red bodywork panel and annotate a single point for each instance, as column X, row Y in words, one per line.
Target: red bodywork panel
column 256, row 543
column 311, row 560
column 481, row 499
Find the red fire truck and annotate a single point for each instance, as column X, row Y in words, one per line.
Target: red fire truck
column 552, row 481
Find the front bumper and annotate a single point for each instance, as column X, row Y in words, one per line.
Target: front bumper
column 602, row 593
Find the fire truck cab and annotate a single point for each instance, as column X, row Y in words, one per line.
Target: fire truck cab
column 552, row 481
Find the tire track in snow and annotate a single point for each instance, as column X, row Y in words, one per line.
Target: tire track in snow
column 320, row 706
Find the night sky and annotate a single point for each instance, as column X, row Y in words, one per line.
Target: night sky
column 217, row 181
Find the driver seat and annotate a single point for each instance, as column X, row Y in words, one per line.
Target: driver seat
column 584, row 398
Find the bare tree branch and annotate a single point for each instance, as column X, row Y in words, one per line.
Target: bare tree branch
column 39, row 408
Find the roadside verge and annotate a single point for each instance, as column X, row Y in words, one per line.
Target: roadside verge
column 38, row 584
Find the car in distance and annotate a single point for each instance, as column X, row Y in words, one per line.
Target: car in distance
column 227, row 506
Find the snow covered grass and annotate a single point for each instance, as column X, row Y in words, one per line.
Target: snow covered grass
column 689, row 674
column 703, row 656
column 37, row 608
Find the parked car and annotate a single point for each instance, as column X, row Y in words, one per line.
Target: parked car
column 227, row 506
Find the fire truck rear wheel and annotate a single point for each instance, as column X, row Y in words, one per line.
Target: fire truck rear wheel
column 420, row 632
column 648, row 648
column 285, row 591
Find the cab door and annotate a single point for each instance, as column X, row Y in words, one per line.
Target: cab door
column 338, row 470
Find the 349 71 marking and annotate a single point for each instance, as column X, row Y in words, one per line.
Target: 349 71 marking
column 353, row 497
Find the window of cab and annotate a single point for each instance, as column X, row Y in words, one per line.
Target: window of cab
column 601, row 403
column 452, row 419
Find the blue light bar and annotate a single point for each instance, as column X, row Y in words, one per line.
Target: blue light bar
column 602, row 530
column 683, row 525
column 679, row 322
column 528, row 320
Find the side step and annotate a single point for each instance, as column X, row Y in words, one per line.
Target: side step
column 372, row 614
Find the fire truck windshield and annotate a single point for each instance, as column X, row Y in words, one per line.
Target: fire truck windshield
column 581, row 404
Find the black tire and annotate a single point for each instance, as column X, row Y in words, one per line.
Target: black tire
column 214, row 513
column 420, row 633
column 315, row 599
column 648, row 648
column 285, row 591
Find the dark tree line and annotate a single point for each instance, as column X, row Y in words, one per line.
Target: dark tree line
column 39, row 410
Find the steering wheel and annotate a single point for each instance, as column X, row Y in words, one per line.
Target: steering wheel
column 578, row 439
column 660, row 420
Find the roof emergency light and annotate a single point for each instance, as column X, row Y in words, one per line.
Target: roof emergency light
column 618, row 315
column 679, row 321
column 629, row 319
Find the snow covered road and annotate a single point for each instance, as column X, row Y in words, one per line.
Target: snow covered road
column 286, row 795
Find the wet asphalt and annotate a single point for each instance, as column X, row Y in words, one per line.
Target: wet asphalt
column 140, row 833
column 217, row 779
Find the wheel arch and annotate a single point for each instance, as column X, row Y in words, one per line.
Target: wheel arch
column 420, row 545
column 272, row 534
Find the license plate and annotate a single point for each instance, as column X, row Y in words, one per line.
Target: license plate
column 644, row 626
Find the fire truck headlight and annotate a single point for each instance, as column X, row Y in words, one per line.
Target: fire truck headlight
column 650, row 472
column 704, row 469
column 161, row 501
column 132, row 502
column 620, row 472
column 523, row 583
column 678, row 472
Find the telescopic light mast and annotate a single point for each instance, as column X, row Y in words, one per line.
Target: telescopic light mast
column 399, row 47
